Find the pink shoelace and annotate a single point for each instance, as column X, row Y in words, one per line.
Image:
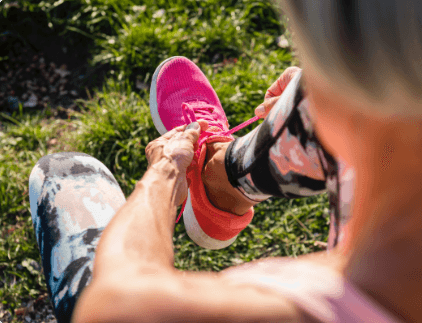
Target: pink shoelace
column 189, row 114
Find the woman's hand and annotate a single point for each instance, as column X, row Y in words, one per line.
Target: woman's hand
column 178, row 147
column 275, row 91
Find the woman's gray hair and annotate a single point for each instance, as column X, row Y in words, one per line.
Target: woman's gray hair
column 375, row 46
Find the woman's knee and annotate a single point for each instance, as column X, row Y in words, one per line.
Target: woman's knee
column 58, row 164
column 65, row 164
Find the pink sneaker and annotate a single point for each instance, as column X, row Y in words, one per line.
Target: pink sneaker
column 181, row 94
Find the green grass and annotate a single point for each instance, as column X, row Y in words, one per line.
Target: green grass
column 21, row 145
column 115, row 126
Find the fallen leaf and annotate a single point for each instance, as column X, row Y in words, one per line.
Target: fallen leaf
column 20, row 311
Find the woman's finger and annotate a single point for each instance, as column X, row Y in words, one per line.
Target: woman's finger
column 277, row 88
column 263, row 109
column 172, row 132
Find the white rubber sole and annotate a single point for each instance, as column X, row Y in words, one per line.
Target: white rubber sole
column 192, row 226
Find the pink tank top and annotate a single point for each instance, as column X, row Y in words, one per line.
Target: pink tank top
column 319, row 291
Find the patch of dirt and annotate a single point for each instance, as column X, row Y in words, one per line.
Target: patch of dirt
column 35, row 83
column 50, row 77
column 39, row 310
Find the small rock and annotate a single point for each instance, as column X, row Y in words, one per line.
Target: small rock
column 28, row 318
column 62, row 71
column 32, row 102
column 50, row 317
column 74, row 93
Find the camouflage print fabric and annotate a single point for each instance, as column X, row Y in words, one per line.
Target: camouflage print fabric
column 283, row 157
column 73, row 196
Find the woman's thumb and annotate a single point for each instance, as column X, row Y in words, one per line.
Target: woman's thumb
column 194, row 125
column 193, row 131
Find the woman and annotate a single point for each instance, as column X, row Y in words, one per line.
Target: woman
column 362, row 82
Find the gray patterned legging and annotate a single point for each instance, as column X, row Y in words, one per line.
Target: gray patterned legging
column 73, row 196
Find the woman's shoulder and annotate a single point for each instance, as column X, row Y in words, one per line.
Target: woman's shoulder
column 316, row 284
